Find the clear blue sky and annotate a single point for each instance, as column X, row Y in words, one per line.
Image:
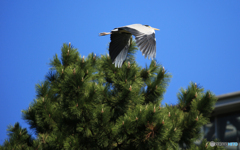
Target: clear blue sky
column 199, row 41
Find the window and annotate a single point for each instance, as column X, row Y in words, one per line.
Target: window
column 228, row 128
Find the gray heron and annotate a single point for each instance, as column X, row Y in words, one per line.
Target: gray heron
column 121, row 40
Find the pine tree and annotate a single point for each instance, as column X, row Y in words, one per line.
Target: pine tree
column 88, row 103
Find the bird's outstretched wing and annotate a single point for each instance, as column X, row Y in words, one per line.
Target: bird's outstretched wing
column 118, row 48
column 145, row 38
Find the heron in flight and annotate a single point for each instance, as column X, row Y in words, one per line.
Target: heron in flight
column 121, row 40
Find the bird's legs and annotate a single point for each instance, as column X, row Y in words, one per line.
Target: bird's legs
column 104, row 33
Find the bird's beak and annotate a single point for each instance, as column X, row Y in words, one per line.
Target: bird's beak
column 156, row 29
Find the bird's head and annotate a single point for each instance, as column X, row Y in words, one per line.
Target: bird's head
column 151, row 27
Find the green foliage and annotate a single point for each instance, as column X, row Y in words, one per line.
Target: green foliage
column 19, row 139
column 88, row 103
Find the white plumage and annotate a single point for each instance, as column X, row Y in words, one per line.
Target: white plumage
column 121, row 37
